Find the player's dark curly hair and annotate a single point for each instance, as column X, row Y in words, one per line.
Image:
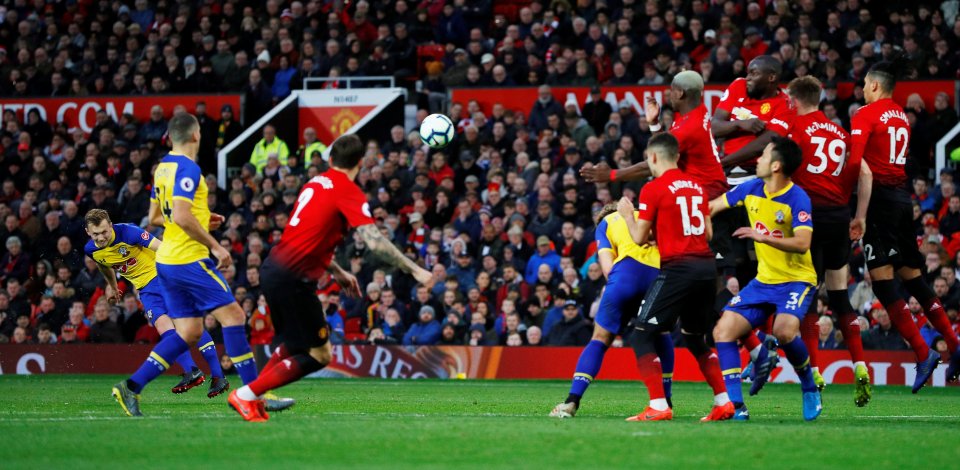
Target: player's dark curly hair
column 887, row 72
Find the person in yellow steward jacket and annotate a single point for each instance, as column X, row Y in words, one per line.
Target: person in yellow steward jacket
column 310, row 145
column 270, row 143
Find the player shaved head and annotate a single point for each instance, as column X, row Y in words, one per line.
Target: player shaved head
column 762, row 77
column 686, row 86
column 183, row 128
column 346, row 152
column 805, row 91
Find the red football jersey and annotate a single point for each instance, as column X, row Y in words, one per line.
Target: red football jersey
column 827, row 174
column 776, row 112
column 677, row 207
column 880, row 135
column 698, row 153
column 326, row 206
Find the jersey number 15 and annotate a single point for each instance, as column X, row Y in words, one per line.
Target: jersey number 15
column 691, row 213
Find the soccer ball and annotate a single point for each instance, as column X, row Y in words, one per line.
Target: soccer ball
column 437, row 131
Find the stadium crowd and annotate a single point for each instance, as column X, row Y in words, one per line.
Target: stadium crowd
column 501, row 216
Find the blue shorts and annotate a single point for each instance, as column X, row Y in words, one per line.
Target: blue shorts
column 757, row 301
column 627, row 285
column 192, row 290
column 151, row 296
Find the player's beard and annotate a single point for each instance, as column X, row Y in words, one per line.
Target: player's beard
column 756, row 93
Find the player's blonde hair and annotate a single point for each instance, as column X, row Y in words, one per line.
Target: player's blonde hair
column 96, row 216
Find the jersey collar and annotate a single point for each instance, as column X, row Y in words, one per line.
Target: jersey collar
column 778, row 193
column 113, row 238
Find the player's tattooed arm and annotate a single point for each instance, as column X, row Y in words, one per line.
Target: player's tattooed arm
column 375, row 240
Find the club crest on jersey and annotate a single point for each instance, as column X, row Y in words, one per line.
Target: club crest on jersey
column 734, row 301
column 123, row 251
column 779, row 216
column 765, row 108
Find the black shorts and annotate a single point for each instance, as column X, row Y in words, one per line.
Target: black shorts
column 890, row 238
column 686, row 290
column 295, row 309
column 830, row 248
column 724, row 224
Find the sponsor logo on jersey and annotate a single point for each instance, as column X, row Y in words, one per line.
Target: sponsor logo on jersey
column 803, row 216
column 742, row 114
column 765, row 108
column 776, row 234
column 145, row 236
column 779, row 123
column 759, row 227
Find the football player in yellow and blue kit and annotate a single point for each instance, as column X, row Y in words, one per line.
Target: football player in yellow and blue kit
column 129, row 250
column 630, row 269
column 191, row 281
column 781, row 228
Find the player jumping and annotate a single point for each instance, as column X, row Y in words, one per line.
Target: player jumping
column 326, row 206
column 191, row 280
column 131, row 251
column 629, row 269
column 782, row 229
column 884, row 219
column 828, row 177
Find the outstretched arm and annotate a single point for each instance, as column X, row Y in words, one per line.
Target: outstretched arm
column 601, row 173
column 752, row 150
column 375, row 240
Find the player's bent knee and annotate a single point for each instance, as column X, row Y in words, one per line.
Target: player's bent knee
column 602, row 335
column 230, row 315
column 163, row 324
column 322, row 355
column 190, row 329
column 786, row 331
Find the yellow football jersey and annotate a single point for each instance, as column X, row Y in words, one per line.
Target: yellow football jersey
column 613, row 235
column 779, row 215
column 128, row 253
column 179, row 177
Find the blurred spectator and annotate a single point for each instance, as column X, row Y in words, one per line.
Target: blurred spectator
column 426, row 331
column 882, row 335
column 572, row 330
column 104, row 329
column 269, row 145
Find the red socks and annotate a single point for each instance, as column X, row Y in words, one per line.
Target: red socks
column 710, row 367
column 651, row 375
column 750, row 341
column 278, row 355
column 810, row 333
column 850, row 328
column 938, row 318
column 903, row 320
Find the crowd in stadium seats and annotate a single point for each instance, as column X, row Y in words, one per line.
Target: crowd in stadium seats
column 501, row 216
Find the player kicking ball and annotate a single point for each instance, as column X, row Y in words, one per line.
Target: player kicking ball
column 781, row 228
column 630, row 269
column 191, row 280
column 674, row 205
column 131, row 251
column 327, row 205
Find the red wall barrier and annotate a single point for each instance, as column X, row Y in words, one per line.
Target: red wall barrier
column 522, row 99
column 450, row 362
column 82, row 111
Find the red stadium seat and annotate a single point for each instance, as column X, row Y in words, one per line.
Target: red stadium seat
column 352, row 330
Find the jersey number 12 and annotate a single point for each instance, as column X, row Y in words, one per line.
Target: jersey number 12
column 896, row 135
column 691, row 213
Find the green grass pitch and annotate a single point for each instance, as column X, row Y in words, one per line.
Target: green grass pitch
column 72, row 422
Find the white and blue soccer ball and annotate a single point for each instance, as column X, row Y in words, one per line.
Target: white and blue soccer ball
column 437, row 131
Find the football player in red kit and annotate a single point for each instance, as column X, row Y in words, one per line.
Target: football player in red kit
column 674, row 205
column 828, row 177
column 327, row 205
column 880, row 136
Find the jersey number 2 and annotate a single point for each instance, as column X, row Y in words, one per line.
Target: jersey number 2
column 302, row 201
column 896, row 135
column 691, row 212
